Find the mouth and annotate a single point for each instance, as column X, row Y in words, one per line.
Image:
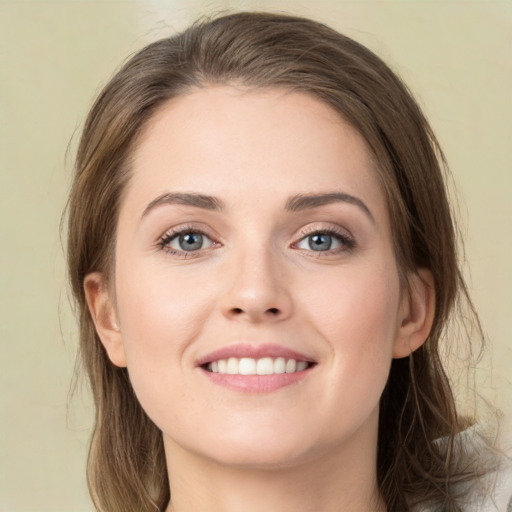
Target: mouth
column 262, row 366
column 256, row 368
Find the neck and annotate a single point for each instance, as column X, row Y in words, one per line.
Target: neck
column 340, row 480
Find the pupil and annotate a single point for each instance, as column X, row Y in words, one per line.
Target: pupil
column 191, row 241
column 320, row 242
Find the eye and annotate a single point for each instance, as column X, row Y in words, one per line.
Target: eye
column 326, row 241
column 185, row 241
column 317, row 242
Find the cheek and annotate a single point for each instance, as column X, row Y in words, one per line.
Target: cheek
column 355, row 304
column 160, row 315
column 357, row 316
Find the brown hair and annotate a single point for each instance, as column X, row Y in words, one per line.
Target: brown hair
column 126, row 466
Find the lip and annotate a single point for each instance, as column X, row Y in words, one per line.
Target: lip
column 255, row 352
column 255, row 383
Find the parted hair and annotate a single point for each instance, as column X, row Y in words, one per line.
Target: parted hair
column 126, row 464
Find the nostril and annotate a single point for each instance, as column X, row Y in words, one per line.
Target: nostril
column 241, row 311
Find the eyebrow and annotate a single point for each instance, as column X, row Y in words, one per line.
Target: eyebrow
column 302, row 202
column 296, row 203
column 187, row 199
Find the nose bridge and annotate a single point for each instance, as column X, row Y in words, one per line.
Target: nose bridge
column 257, row 288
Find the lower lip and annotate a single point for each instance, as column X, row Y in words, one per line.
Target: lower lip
column 257, row 383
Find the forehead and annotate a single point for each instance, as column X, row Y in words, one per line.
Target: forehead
column 251, row 145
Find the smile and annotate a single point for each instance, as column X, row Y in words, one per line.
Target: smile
column 250, row 366
column 256, row 368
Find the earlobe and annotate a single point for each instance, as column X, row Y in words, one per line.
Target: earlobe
column 104, row 317
column 416, row 314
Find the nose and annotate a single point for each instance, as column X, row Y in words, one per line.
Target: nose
column 258, row 290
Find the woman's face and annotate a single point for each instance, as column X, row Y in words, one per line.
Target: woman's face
column 253, row 241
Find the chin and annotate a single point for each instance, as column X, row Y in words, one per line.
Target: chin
column 261, row 458
column 261, row 448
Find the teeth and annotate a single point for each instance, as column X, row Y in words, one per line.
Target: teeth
column 280, row 365
column 232, row 366
column 291, row 366
column 301, row 365
column 263, row 366
column 247, row 366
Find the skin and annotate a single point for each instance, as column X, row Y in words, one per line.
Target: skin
column 307, row 446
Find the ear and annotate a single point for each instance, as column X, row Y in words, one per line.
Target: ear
column 104, row 317
column 416, row 314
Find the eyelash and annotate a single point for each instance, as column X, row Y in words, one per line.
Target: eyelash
column 346, row 240
column 168, row 237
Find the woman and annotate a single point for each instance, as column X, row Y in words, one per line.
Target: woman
column 264, row 260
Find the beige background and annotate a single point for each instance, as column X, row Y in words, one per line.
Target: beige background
column 456, row 57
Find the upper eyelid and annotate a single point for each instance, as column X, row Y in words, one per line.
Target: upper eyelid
column 333, row 230
column 305, row 231
column 343, row 237
column 187, row 228
column 174, row 234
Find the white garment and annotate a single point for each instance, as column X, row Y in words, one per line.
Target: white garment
column 491, row 493
column 499, row 497
column 494, row 492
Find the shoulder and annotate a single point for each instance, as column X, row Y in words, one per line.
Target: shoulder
column 493, row 491
column 495, row 495
column 504, row 490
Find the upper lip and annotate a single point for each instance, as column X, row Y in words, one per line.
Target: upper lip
column 253, row 351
